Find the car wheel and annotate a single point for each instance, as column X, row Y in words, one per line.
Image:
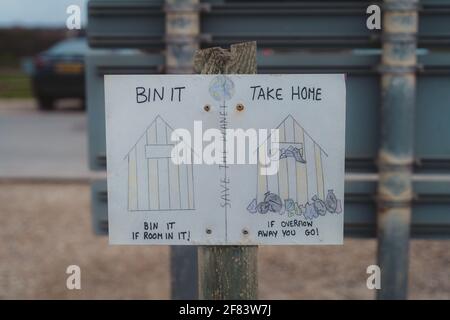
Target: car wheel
column 45, row 103
column 83, row 104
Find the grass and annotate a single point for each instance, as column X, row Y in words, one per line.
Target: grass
column 14, row 84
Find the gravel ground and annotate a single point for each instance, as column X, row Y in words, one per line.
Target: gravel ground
column 46, row 227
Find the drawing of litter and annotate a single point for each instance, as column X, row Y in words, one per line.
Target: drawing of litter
column 299, row 186
column 155, row 183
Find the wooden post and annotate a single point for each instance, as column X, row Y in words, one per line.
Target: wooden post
column 227, row 272
column 182, row 34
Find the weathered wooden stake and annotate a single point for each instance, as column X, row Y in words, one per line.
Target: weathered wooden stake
column 227, row 272
column 396, row 154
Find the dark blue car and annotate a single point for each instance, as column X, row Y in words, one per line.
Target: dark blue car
column 59, row 72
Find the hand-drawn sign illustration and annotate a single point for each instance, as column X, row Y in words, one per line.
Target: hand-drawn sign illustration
column 294, row 198
column 221, row 88
column 299, row 186
column 155, row 183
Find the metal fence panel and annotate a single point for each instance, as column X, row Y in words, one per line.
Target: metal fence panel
column 293, row 24
column 99, row 207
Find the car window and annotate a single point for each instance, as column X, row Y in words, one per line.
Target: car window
column 72, row 46
column 79, row 46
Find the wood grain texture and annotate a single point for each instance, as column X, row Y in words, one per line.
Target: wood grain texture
column 227, row 272
column 239, row 59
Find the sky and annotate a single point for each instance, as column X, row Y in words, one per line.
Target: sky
column 38, row 13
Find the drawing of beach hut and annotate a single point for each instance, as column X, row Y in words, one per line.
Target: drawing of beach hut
column 300, row 174
column 155, row 183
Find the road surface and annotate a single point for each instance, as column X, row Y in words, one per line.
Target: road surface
column 35, row 144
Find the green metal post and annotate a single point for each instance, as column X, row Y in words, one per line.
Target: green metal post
column 227, row 272
column 396, row 154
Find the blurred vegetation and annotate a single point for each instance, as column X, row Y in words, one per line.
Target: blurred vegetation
column 14, row 84
column 17, row 44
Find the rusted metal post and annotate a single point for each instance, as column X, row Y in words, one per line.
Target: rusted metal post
column 182, row 34
column 227, row 272
column 396, row 154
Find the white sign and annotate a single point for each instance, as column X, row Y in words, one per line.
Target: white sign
column 225, row 159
